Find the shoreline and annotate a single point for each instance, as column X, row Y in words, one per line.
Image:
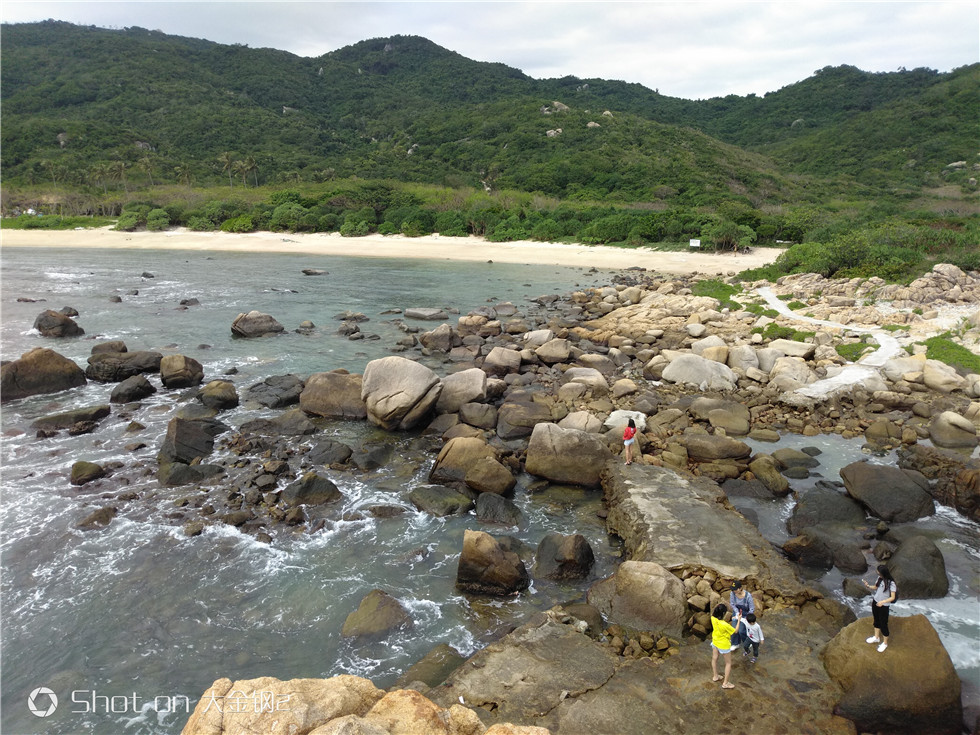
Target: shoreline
column 432, row 247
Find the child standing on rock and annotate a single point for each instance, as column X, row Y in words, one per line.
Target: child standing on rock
column 721, row 642
column 753, row 637
column 629, row 434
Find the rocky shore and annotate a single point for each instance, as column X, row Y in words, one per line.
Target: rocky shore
column 543, row 391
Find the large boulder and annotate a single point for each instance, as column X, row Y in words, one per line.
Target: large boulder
column 592, row 379
column 919, row 569
column 566, row 455
column 399, row 393
column 255, row 324
column 336, row 394
column 133, row 388
column 954, row 478
column 67, row 419
column 279, row 391
column 457, row 457
column 941, row 377
column 485, row 568
column 440, row 501
column 709, row 447
column 377, row 615
column 458, row 389
column 219, row 395
column 702, row 373
column 440, row 339
column 51, row 323
column 562, row 558
column 493, row 508
column 294, row 706
column 642, row 595
column 38, row 371
column 790, row 373
column 824, row 505
column 501, row 361
column 311, row 489
column 765, row 471
column 952, row 431
column 189, row 439
column 489, row 476
column 180, row 371
column 910, row 689
column 517, row 419
column 112, row 367
column 888, row 493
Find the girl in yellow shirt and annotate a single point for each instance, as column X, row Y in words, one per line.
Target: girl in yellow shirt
column 721, row 642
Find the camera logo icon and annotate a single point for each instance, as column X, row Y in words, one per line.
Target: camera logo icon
column 39, row 706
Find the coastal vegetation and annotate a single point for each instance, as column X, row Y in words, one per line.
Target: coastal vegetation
column 860, row 174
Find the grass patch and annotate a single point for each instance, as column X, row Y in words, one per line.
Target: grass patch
column 784, row 296
column 760, row 310
column 895, row 327
column 852, row 352
column 774, row 331
column 53, row 222
column 718, row 290
column 796, row 305
column 942, row 348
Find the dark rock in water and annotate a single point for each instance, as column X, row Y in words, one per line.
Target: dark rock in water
column 38, row 371
column 277, row 391
column 193, row 528
column 237, row 517
column 378, row 615
column 426, row 313
column 133, row 388
column 69, row 418
column 351, row 316
column 955, row 477
column 440, row 501
column 491, row 508
column 68, row 311
column 311, row 489
column 83, row 472
column 174, row 474
column 112, row 367
column 190, row 302
column 82, row 427
column 919, row 569
column 180, row 371
column 563, row 558
column 187, row 440
column 328, row 452
column 746, row 489
column 433, row 668
column 888, row 493
column 314, row 272
column 810, row 551
column 219, row 395
column 115, row 299
column 487, row 569
column 386, row 511
column 335, row 394
column 372, row 456
column 98, row 519
column 255, row 324
column 116, row 345
column 292, row 423
column 879, row 695
column 796, row 473
column 52, row 324
column 147, row 274
column 787, row 458
column 824, row 505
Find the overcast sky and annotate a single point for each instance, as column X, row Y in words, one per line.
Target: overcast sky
column 689, row 49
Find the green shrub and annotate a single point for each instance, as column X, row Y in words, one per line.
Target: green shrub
column 201, row 224
column 129, row 221
column 942, row 348
column 242, row 223
column 717, row 290
column 350, row 228
column 795, row 305
column 451, row 224
column 157, row 220
column 852, row 352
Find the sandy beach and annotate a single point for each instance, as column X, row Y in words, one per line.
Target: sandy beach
column 432, row 247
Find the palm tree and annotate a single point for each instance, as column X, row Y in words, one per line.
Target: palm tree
column 183, row 174
column 118, row 169
column 227, row 160
column 101, row 172
column 50, row 167
column 252, row 168
column 240, row 169
column 146, row 163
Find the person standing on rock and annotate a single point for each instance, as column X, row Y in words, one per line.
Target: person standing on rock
column 721, row 642
column 742, row 603
column 753, row 637
column 629, row 438
column 884, row 593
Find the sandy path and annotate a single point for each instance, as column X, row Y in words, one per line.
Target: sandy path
column 397, row 246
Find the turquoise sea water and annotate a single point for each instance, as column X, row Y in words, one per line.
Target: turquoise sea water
column 123, row 623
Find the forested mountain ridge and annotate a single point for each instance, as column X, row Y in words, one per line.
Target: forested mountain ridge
column 78, row 98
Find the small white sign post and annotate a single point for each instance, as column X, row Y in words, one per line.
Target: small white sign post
column 696, row 244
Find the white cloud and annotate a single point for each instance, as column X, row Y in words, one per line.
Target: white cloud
column 693, row 49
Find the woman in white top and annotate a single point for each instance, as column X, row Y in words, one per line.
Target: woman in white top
column 884, row 593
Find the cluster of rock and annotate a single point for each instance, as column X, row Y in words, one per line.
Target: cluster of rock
column 547, row 394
